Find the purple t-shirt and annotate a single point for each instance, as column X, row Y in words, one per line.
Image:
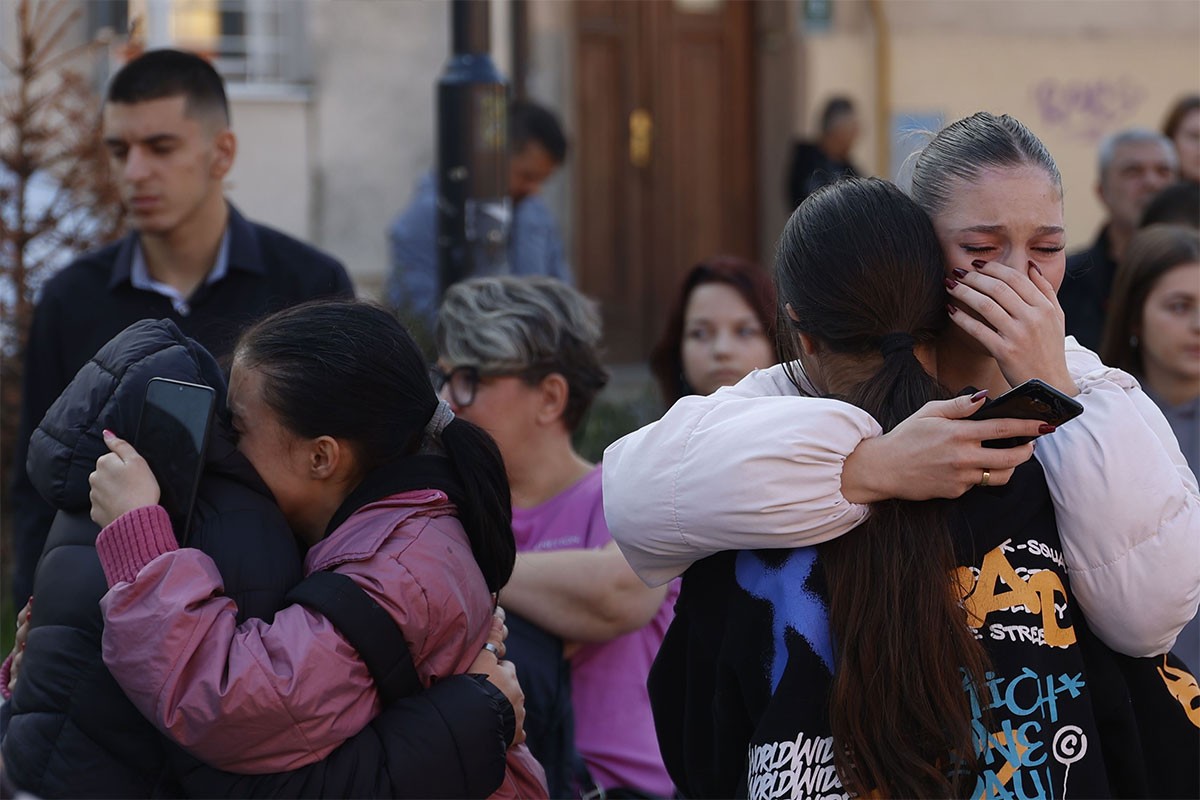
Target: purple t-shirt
column 614, row 729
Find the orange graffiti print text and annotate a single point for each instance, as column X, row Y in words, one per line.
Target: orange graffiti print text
column 984, row 595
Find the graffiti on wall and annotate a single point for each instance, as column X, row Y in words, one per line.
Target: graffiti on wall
column 1087, row 108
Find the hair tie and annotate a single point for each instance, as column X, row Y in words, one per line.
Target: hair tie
column 441, row 417
column 897, row 342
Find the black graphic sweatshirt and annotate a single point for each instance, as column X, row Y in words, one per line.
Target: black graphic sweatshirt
column 740, row 688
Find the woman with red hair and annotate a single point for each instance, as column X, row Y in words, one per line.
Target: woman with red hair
column 721, row 328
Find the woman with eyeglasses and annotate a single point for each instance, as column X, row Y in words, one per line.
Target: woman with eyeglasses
column 519, row 357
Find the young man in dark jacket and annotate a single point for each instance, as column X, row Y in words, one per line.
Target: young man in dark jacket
column 191, row 258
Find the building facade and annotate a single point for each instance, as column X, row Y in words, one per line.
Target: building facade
column 681, row 113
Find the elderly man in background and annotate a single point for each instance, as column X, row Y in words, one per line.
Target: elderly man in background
column 1134, row 165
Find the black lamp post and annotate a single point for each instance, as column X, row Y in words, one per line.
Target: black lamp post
column 474, row 210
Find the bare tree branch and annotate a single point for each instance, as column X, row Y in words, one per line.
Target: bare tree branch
column 56, row 198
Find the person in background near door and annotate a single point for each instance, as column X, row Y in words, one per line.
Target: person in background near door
column 191, row 258
column 520, row 357
column 721, row 328
column 537, row 148
column 1153, row 333
column 1134, row 165
column 815, row 164
column 1183, row 129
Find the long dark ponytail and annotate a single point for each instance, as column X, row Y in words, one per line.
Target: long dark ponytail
column 350, row 370
column 487, row 513
column 860, row 265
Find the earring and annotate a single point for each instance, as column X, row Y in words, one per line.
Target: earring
column 1133, row 341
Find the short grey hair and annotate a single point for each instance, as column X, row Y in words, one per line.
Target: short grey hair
column 964, row 149
column 532, row 324
column 1110, row 143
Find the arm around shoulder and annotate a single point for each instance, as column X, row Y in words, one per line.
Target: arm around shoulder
column 747, row 467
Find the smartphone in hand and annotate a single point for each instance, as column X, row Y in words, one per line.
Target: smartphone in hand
column 172, row 436
column 1033, row 399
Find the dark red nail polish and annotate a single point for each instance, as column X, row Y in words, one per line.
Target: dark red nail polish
column 950, row 308
column 951, row 283
column 980, row 395
column 959, row 273
column 1036, row 269
column 1046, row 428
column 979, row 263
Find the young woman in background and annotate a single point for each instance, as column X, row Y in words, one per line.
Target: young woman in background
column 721, row 328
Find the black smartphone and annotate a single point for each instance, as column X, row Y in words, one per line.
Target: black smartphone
column 1033, row 399
column 172, row 436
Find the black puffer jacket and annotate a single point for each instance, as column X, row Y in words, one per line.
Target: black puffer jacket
column 73, row 733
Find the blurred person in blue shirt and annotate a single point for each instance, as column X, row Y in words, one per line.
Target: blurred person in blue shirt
column 537, row 148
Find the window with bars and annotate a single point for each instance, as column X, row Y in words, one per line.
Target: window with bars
column 250, row 42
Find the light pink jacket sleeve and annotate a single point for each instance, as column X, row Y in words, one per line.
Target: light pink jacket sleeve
column 253, row 698
column 754, row 465
column 1128, row 511
column 749, row 467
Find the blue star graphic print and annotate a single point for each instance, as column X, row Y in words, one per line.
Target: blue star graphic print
column 793, row 606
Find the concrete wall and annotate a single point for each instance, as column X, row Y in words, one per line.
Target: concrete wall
column 376, row 66
column 551, row 82
column 270, row 177
column 1072, row 71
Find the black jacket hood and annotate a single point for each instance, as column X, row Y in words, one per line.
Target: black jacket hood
column 107, row 393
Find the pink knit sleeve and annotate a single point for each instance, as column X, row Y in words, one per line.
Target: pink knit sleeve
column 133, row 540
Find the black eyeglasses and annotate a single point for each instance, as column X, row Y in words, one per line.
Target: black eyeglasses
column 464, row 380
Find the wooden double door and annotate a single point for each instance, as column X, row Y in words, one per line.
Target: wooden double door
column 665, row 153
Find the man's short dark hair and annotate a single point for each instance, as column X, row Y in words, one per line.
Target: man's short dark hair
column 529, row 122
column 1178, row 204
column 836, row 108
column 159, row 74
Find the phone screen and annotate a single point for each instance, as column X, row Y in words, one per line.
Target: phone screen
column 1031, row 400
column 172, row 436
